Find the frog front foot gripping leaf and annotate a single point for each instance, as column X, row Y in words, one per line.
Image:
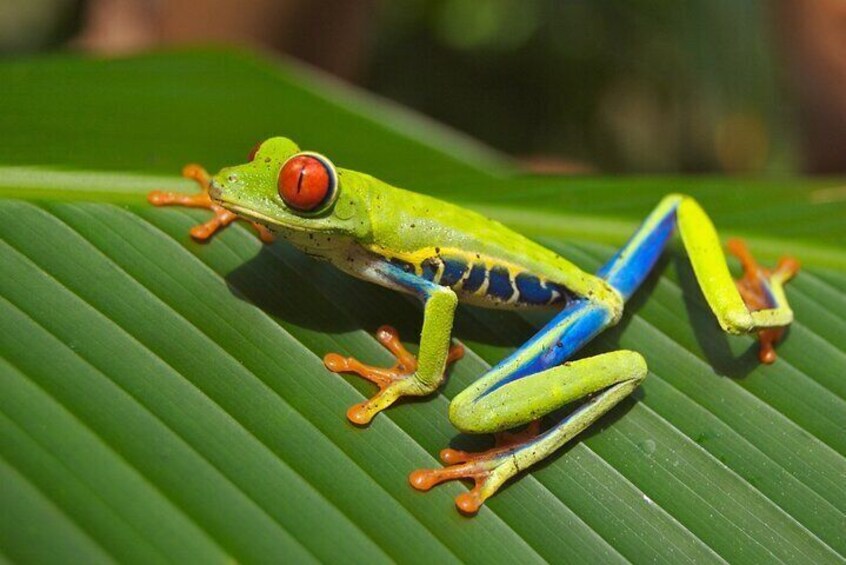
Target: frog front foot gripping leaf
column 443, row 254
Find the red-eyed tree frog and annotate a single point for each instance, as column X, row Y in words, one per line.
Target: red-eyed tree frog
column 442, row 254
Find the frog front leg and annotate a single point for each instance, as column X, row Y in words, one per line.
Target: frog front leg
column 410, row 376
column 221, row 218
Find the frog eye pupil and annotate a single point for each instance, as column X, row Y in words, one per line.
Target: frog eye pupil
column 306, row 181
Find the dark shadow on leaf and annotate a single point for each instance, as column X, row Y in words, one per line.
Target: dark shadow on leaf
column 284, row 293
column 501, row 328
column 711, row 338
column 288, row 285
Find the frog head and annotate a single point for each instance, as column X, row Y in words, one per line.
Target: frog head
column 289, row 190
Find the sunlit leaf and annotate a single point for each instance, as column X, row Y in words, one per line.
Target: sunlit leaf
column 163, row 400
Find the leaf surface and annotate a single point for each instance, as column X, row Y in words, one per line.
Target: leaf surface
column 163, row 400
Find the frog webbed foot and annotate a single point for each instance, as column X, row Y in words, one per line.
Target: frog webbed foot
column 393, row 382
column 487, row 469
column 222, row 217
column 755, row 288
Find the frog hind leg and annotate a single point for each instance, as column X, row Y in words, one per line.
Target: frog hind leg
column 525, row 386
column 222, row 217
column 755, row 304
column 531, row 383
column 608, row 378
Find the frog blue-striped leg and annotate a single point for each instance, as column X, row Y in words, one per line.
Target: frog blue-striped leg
column 410, row 376
column 757, row 301
column 532, row 382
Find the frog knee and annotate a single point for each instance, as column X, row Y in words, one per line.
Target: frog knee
column 465, row 415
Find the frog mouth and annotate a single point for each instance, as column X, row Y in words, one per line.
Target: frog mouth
column 217, row 196
column 246, row 213
column 224, row 199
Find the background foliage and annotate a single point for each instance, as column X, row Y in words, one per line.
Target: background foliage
column 640, row 86
column 161, row 399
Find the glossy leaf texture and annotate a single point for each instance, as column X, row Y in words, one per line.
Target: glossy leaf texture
column 164, row 400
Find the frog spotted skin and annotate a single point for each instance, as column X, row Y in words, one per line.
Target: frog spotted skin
column 442, row 254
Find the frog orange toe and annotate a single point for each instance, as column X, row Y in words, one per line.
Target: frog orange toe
column 393, row 382
column 468, row 502
column 163, row 198
column 221, row 219
column 754, row 285
column 264, row 234
column 484, row 468
column 503, row 441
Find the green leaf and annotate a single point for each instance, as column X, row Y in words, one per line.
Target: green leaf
column 163, row 400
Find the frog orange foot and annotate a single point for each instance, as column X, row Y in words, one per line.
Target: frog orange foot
column 393, row 382
column 487, row 469
column 754, row 288
column 222, row 217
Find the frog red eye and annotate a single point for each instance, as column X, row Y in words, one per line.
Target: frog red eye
column 253, row 151
column 308, row 182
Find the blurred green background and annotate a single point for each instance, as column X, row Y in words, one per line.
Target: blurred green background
column 565, row 86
